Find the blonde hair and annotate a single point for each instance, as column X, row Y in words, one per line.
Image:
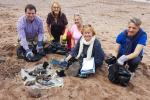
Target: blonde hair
column 78, row 15
column 87, row 29
column 52, row 12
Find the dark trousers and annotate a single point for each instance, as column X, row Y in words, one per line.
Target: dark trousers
column 56, row 34
column 133, row 63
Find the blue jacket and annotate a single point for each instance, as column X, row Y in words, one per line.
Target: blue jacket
column 97, row 52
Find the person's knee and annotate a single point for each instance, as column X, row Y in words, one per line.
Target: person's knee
column 45, row 40
column 69, row 35
column 133, row 64
column 134, row 61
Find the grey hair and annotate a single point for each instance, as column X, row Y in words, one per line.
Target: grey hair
column 79, row 15
column 136, row 21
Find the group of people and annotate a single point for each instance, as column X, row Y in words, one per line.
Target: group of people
column 81, row 40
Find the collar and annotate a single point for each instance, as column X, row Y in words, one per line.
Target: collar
column 29, row 20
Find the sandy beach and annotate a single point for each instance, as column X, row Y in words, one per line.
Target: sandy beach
column 108, row 17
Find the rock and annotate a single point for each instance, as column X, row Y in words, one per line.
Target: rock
column 35, row 93
column 29, row 83
column 2, row 61
column 73, row 69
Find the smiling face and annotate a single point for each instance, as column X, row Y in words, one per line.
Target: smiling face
column 30, row 14
column 56, row 9
column 87, row 35
column 88, row 32
column 77, row 21
column 132, row 29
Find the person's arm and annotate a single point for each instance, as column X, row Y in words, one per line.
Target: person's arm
column 22, row 35
column 75, row 51
column 72, row 41
column 136, row 52
column 49, row 24
column 72, row 53
column 116, row 49
column 68, row 58
column 61, row 39
column 99, row 53
column 48, row 29
column 67, row 29
column 41, row 31
column 65, row 22
column 141, row 43
column 139, row 47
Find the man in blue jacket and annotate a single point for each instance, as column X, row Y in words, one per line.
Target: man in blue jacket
column 129, row 45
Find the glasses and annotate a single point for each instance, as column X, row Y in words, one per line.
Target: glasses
column 56, row 7
column 89, row 25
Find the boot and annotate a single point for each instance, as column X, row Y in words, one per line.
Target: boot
column 82, row 75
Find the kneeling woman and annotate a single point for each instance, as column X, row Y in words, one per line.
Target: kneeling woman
column 57, row 24
column 87, row 46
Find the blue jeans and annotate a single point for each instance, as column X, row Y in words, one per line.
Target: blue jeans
column 133, row 63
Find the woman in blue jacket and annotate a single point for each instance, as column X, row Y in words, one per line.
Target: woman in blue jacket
column 87, row 46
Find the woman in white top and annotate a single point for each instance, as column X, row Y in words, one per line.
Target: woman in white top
column 76, row 29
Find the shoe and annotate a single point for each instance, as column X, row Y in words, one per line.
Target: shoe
column 82, row 75
column 29, row 83
column 132, row 74
column 73, row 69
column 60, row 72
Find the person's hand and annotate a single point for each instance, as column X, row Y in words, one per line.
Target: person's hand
column 52, row 38
column 39, row 46
column 29, row 54
column 72, row 48
column 122, row 59
column 64, row 37
column 63, row 61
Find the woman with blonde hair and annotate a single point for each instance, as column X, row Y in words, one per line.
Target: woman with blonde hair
column 88, row 46
column 57, row 24
column 76, row 29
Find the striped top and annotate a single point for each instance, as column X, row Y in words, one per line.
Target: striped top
column 28, row 30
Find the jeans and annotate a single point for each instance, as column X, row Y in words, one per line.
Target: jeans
column 133, row 63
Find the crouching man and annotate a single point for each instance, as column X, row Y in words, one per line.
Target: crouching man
column 129, row 45
column 30, row 28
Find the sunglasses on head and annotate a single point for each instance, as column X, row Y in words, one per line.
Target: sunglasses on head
column 89, row 25
column 76, row 15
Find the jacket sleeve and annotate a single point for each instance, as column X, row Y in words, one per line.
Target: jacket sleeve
column 75, row 51
column 41, row 31
column 98, row 53
column 22, row 35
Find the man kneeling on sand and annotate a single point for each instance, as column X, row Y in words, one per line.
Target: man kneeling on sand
column 30, row 28
column 129, row 45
